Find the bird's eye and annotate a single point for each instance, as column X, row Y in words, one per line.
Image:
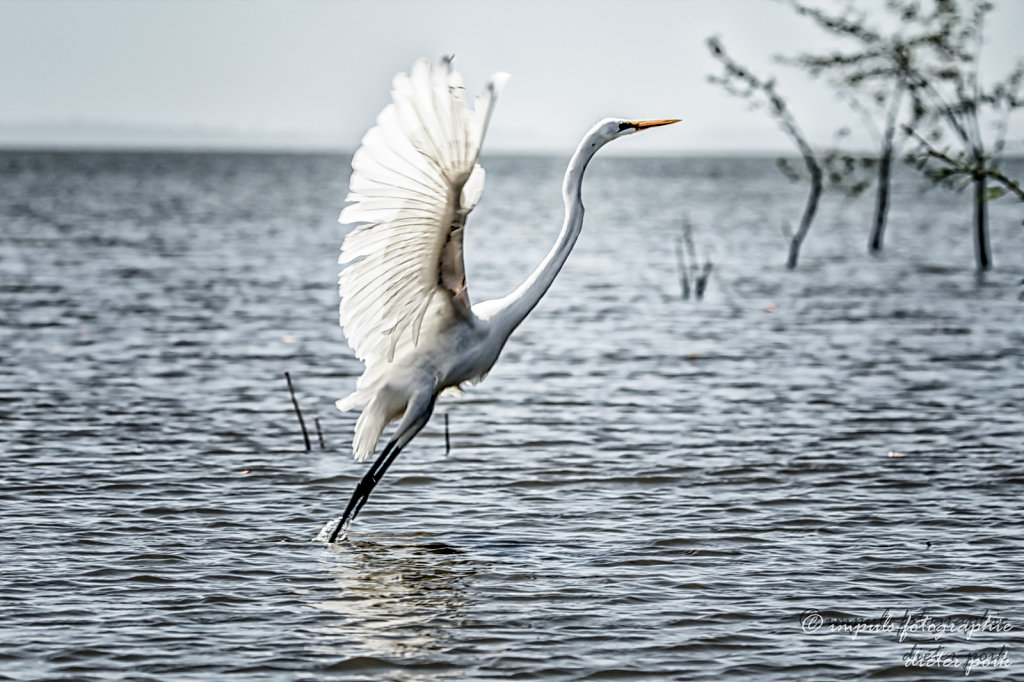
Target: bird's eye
column 623, row 126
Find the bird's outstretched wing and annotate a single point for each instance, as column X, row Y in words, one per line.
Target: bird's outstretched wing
column 414, row 181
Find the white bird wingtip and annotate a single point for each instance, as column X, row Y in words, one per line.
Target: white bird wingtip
column 399, row 191
column 498, row 81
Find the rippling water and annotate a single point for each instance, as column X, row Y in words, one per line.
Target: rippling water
column 644, row 486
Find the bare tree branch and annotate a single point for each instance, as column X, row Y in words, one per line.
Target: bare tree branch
column 740, row 81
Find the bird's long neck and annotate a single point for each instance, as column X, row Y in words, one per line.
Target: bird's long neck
column 514, row 308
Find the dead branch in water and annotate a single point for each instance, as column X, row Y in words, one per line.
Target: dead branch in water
column 690, row 269
column 701, row 282
column 684, row 270
column 319, row 433
column 447, row 439
column 298, row 412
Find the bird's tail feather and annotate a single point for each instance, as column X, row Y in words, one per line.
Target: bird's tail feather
column 355, row 399
column 369, row 426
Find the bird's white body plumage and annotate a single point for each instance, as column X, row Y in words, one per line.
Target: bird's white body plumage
column 404, row 304
column 405, row 308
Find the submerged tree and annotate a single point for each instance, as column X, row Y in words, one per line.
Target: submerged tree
column 953, row 96
column 739, row 81
column 874, row 77
column 918, row 78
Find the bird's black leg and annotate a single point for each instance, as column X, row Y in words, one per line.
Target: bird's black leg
column 365, row 486
column 380, row 467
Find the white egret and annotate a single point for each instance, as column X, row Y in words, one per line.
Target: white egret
column 405, row 308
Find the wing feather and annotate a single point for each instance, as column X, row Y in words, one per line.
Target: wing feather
column 414, row 180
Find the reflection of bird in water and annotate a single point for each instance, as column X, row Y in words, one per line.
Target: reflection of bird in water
column 405, row 307
column 397, row 598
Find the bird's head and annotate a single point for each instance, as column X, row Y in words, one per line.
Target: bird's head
column 611, row 128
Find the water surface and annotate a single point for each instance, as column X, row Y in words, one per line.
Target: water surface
column 644, row 487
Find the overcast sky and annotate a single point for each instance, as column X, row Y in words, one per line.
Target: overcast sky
column 313, row 74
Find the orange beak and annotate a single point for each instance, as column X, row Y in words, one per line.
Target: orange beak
column 640, row 125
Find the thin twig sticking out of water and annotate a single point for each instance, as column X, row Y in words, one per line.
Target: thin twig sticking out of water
column 689, row 267
column 319, row 433
column 295, row 404
column 684, row 269
column 447, row 439
column 702, row 278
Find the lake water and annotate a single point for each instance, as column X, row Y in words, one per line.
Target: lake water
column 643, row 488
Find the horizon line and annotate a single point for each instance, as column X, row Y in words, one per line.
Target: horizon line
column 7, row 147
